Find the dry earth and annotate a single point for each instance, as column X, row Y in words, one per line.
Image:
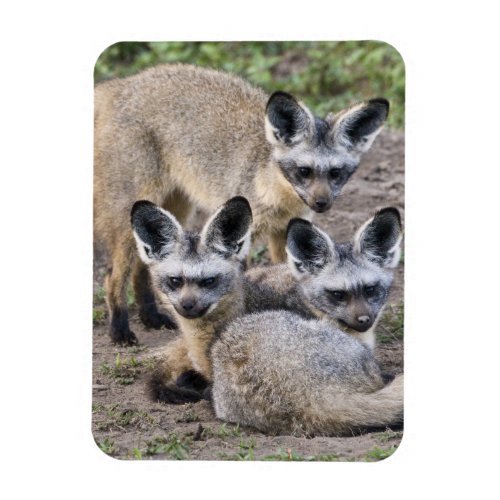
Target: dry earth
column 126, row 424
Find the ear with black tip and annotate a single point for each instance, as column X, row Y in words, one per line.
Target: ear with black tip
column 156, row 231
column 379, row 239
column 309, row 249
column 228, row 231
column 287, row 121
column 357, row 127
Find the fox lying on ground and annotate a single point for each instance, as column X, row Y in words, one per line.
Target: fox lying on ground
column 200, row 278
column 281, row 373
column 347, row 283
column 182, row 136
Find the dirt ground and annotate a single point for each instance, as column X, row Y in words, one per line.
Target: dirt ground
column 127, row 425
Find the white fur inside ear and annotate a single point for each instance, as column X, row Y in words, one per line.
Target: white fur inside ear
column 144, row 250
column 298, row 268
column 245, row 245
column 358, row 235
column 244, row 242
column 295, row 266
column 271, row 133
column 306, row 129
column 342, row 123
column 394, row 255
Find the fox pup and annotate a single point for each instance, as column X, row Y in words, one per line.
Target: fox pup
column 281, row 373
column 200, row 278
column 182, row 136
column 346, row 282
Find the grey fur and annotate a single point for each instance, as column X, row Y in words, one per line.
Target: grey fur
column 183, row 136
column 280, row 373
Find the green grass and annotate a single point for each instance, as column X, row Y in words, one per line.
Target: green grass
column 387, row 435
column 172, row 445
column 223, row 431
column 113, row 416
column 126, row 371
column 327, row 76
column 391, row 326
column 98, row 316
column 107, row 446
column 245, row 452
column 376, row 454
column 290, row 455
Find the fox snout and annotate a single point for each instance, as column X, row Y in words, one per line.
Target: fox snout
column 361, row 323
column 190, row 307
column 319, row 198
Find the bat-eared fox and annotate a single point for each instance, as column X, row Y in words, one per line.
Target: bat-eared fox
column 332, row 289
column 182, row 136
column 282, row 373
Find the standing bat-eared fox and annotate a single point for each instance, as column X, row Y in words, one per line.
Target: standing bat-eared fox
column 261, row 362
column 182, row 136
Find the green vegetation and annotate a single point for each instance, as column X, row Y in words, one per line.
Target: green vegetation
column 379, row 454
column 107, row 446
column 327, row 76
column 174, row 446
column 290, row 455
column 222, row 432
column 245, row 451
column 391, row 327
column 113, row 416
column 126, row 371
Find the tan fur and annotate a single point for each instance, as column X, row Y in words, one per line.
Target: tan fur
column 183, row 137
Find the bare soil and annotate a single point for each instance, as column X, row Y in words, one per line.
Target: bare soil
column 126, row 424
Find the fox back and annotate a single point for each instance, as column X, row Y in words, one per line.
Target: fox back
column 283, row 374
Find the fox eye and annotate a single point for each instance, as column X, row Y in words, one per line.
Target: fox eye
column 370, row 291
column 338, row 294
column 208, row 282
column 305, row 172
column 175, row 281
column 335, row 173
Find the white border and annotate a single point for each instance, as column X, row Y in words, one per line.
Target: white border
column 450, row 445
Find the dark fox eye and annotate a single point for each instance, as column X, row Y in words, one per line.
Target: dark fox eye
column 335, row 173
column 338, row 294
column 175, row 282
column 305, row 172
column 370, row 291
column 208, row 282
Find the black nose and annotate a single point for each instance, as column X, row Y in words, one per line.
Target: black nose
column 321, row 203
column 187, row 305
column 363, row 320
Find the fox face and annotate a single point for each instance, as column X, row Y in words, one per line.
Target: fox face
column 317, row 156
column 348, row 282
column 192, row 271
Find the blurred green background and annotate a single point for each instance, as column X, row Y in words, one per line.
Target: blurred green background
column 327, row 76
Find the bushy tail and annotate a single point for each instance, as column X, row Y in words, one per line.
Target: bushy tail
column 363, row 411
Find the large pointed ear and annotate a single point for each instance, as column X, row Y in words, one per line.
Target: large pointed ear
column 379, row 239
column 228, row 231
column 357, row 127
column 156, row 231
column 287, row 120
column 309, row 249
